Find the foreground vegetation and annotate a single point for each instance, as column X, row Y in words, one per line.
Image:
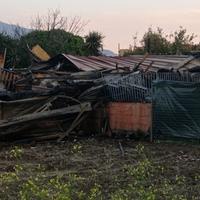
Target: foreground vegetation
column 92, row 169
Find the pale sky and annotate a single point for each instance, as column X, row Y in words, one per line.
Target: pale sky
column 117, row 20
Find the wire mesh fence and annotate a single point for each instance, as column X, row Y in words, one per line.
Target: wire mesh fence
column 137, row 87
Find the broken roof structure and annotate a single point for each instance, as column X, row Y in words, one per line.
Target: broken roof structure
column 61, row 92
column 151, row 63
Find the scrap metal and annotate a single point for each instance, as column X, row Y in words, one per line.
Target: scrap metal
column 52, row 97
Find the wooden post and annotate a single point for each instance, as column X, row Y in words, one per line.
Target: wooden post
column 151, row 129
column 4, row 57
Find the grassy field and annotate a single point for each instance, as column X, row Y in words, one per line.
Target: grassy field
column 100, row 169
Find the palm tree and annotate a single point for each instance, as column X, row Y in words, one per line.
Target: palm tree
column 94, row 43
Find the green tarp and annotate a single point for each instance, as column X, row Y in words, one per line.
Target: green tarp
column 176, row 109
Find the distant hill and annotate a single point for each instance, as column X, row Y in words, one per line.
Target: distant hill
column 10, row 29
column 107, row 52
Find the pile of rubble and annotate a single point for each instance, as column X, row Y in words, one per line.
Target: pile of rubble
column 50, row 99
column 55, row 97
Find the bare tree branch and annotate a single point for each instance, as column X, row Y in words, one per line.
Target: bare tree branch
column 37, row 23
column 54, row 20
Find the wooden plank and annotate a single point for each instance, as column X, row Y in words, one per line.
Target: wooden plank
column 45, row 115
column 24, row 100
column 74, row 124
column 6, row 78
column 9, row 85
column 15, row 78
column 3, row 75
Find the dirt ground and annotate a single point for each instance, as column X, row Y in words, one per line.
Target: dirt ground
column 103, row 161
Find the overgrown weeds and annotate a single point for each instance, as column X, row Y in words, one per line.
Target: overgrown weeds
column 143, row 179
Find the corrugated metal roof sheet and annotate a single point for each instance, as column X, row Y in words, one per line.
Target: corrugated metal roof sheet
column 154, row 63
column 151, row 62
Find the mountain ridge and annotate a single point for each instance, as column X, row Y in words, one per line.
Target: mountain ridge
column 13, row 30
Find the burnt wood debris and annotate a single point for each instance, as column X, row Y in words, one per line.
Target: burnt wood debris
column 51, row 99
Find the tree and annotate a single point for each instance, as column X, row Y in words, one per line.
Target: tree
column 94, row 43
column 54, row 20
column 53, row 41
column 183, row 42
column 155, row 42
column 135, row 40
column 6, row 42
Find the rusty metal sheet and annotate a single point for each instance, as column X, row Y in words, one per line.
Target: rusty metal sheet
column 130, row 117
column 151, row 63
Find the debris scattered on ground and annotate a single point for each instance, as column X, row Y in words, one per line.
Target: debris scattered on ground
column 54, row 96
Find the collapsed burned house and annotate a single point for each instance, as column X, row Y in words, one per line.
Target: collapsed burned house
column 62, row 95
